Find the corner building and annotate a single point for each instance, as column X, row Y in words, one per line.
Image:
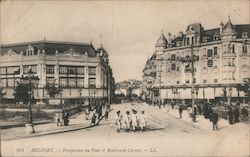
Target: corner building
column 79, row 69
column 224, row 62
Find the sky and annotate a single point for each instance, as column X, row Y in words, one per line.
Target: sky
column 128, row 30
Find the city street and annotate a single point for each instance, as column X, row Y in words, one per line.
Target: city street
column 166, row 135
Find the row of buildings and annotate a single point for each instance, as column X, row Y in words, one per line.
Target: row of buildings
column 81, row 71
column 222, row 62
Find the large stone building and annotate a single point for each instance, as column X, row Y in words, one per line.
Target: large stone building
column 223, row 62
column 78, row 68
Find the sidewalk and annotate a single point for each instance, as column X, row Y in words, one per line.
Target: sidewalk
column 76, row 122
column 201, row 122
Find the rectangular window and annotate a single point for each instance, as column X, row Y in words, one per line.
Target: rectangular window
column 215, row 51
column 63, row 82
column 80, row 70
column 92, row 82
column 224, row 61
column 10, row 82
column 72, row 70
column 204, row 81
column 3, row 83
column 172, row 57
column 192, row 40
column 63, row 69
column 50, row 69
column 26, row 69
column 92, row 70
column 233, row 60
column 50, row 79
column 3, row 71
column 187, row 41
column 209, row 53
column 80, row 82
column 34, row 69
column 215, row 80
column 204, row 52
column 13, row 70
column 210, row 63
column 72, row 82
column 244, row 48
column 233, row 49
column 229, row 62
column 173, row 66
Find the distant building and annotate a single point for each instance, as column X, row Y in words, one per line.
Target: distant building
column 224, row 62
column 82, row 71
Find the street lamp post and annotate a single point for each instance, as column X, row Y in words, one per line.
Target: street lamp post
column 31, row 81
column 191, row 60
column 230, row 95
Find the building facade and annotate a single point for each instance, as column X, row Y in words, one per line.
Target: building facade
column 223, row 63
column 78, row 68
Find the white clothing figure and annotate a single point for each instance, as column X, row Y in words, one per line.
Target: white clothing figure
column 127, row 121
column 118, row 121
column 142, row 120
column 134, row 119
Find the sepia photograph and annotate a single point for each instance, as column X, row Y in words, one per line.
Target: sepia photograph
column 106, row 78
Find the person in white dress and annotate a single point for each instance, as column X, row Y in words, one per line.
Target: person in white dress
column 134, row 119
column 127, row 121
column 118, row 121
column 142, row 120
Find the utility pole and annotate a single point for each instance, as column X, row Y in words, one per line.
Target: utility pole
column 191, row 60
column 192, row 79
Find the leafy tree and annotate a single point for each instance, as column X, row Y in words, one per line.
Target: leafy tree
column 53, row 89
column 21, row 93
column 244, row 88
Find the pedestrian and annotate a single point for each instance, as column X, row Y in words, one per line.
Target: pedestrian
column 244, row 113
column 118, row 121
column 195, row 113
column 58, row 119
column 99, row 111
column 142, row 121
column 236, row 115
column 214, row 119
column 180, row 111
column 134, row 119
column 93, row 119
column 230, row 116
column 106, row 114
column 66, row 118
column 127, row 121
column 189, row 109
column 172, row 104
column 87, row 112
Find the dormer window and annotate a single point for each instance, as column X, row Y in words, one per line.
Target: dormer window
column 205, row 39
column 29, row 51
column 216, row 37
column 244, row 35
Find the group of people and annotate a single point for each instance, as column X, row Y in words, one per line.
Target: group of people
column 97, row 112
column 234, row 114
column 62, row 118
column 131, row 121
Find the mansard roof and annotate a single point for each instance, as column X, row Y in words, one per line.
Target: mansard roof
column 51, row 47
column 210, row 33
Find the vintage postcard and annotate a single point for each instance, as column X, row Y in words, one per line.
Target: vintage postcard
column 124, row 78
